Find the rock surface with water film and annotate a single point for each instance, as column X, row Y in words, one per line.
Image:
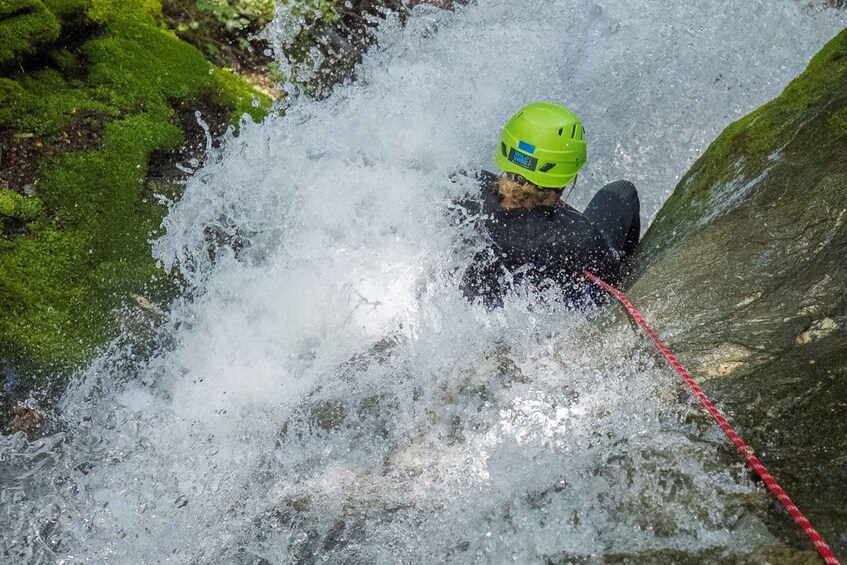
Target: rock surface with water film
column 745, row 273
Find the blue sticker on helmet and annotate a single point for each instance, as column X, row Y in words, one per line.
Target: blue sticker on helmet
column 524, row 146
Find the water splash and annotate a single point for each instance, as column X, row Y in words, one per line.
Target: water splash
column 323, row 392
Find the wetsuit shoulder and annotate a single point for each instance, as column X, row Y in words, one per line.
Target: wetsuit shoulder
column 559, row 232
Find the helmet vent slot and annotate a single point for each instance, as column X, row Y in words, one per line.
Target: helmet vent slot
column 560, row 131
column 573, row 132
column 503, row 148
column 546, row 167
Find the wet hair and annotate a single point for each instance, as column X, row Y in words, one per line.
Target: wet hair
column 526, row 194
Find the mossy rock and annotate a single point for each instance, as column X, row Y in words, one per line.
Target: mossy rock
column 17, row 207
column 65, row 9
column 747, row 148
column 744, row 268
column 230, row 91
column 92, row 90
column 24, row 26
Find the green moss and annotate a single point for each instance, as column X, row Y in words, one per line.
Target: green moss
column 145, row 73
column 25, row 25
column 65, row 61
column 63, row 280
column 80, row 248
column 98, row 187
column 42, row 102
column 13, row 205
column 12, row 98
column 238, row 97
column 775, row 123
column 809, row 93
column 126, row 16
column 48, row 305
column 67, row 8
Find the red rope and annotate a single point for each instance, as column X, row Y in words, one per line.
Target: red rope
column 801, row 520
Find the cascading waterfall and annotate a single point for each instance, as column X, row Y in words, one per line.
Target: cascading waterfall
column 323, row 393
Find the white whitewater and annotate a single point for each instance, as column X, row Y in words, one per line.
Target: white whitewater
column 325, row 394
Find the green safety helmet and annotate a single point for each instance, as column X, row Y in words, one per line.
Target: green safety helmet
column 545, row 143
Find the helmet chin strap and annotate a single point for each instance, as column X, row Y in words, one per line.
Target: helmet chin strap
column 572, row 187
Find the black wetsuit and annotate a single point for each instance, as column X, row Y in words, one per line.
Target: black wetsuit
column 550, row 246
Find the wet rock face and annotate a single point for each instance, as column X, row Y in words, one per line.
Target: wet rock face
column 744, row 272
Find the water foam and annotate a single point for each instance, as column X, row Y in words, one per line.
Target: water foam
column 323, row 392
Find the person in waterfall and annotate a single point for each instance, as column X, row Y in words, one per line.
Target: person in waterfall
column 531, row 237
